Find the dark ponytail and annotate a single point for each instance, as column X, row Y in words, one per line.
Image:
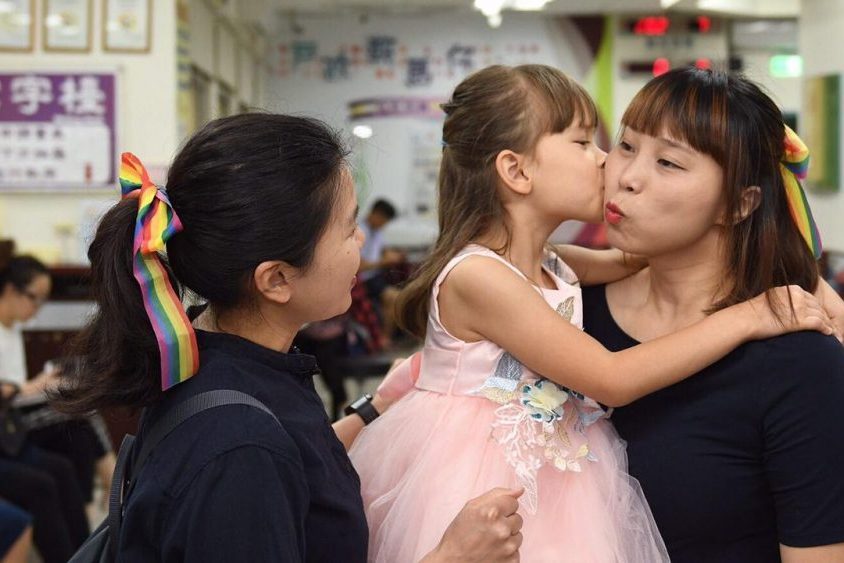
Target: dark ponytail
column 247, row 189
column 117, row 347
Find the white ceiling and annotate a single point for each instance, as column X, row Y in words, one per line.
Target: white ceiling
column 404, row 6
column 754, row 8
column 259, row 12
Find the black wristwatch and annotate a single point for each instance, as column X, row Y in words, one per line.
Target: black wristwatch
column 363, row 408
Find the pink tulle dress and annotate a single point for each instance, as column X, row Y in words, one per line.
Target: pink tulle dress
column 478, row 419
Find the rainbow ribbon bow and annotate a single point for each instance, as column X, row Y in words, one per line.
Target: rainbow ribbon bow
column 155, row 224
column 794, row 167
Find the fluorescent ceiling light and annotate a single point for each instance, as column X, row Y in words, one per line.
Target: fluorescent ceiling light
column 489, row 7
column 527, row 5
column 362, row 131
column 492, row 8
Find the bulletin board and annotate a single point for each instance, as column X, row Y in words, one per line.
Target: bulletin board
column 57, row 131
column 822, row 102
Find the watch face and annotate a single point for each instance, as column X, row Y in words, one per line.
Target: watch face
column 356, row 405
column 363, row 408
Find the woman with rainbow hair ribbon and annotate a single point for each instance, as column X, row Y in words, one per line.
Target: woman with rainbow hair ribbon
column 743, row 461
column 670, row 206
column 258, row 219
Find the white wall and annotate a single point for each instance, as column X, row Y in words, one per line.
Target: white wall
column 54, row 225
column 385, row 162
column 786, row 92
column 49, row 223
column 437, row 31
column 822, row 48
column 229, row 53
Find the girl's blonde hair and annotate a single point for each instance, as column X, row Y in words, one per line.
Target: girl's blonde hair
column 494, row 109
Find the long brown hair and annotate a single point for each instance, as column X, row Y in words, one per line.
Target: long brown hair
column 732, row 120
column 492, row 110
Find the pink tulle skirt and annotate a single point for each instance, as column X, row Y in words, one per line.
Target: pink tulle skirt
column 430, row 453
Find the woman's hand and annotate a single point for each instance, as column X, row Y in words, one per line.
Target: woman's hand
column 398, row 381
column 787, row 309
column 487, row 530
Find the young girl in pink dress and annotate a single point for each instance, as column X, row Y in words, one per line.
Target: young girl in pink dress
column 496, row 310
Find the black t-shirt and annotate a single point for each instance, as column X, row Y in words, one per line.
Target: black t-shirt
column 230, row 485
column 746, row 454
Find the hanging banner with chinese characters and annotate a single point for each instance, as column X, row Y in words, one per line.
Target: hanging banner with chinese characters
column 57, row 131
column 397, row 106
column 385, row 57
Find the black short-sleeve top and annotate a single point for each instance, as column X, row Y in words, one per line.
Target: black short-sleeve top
column 231, row 485
column 744, row 455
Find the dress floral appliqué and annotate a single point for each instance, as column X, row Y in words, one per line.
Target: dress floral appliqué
column 533, row 430
column 532, row 423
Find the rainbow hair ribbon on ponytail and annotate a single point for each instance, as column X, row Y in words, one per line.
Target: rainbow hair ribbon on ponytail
column 794, row 166
column 156, row 223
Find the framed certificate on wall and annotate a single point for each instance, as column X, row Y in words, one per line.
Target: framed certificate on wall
column 127, row 26
column 17, row 25
column 67, row 25
column 57, row 131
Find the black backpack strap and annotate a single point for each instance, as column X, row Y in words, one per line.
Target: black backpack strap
column 162, row 427
column 188, row 408
column 115, row 495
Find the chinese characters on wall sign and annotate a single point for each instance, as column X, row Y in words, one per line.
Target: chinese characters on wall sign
column 386, row 58
column 57, row 130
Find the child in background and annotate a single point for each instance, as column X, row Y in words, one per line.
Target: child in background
column 496, row 311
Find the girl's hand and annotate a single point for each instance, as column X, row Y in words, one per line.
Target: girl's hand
column 787, row 309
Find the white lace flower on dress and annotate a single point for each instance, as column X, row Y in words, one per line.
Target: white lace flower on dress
column 533, row 429
column 544, row 400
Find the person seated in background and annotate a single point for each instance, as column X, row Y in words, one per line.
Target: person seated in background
column 24, row 286
column 15, row 534
column 367, row 326
column 376, row 260
column 44, row 485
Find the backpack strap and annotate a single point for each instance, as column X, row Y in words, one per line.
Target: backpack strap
column 121, row 483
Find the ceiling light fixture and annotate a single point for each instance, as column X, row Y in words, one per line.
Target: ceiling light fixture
column 492, row 8
column 362, row 131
